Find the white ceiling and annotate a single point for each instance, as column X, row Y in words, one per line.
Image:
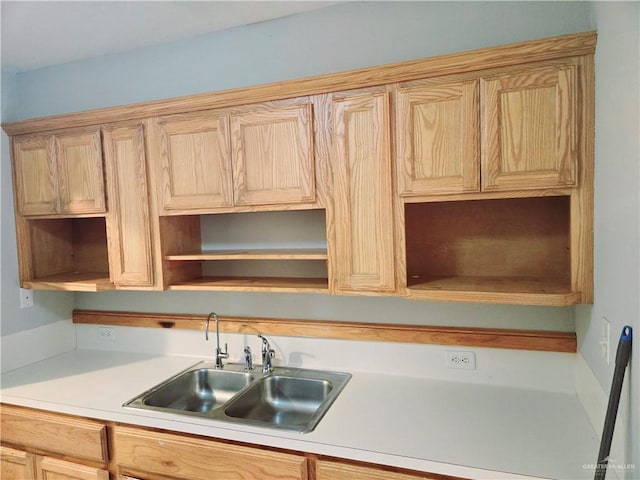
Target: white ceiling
column 36, row 34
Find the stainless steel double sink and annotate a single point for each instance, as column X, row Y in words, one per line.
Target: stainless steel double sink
column 287, row 398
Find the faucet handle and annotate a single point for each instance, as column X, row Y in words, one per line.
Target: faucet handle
column 248, row 360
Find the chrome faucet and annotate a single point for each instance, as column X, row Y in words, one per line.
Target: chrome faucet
column 219, row 353
column 248, row 361
column 267, row 354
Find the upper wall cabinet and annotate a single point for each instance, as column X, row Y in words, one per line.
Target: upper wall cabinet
column 437, row 138
column 529, row 129
column 194, row 170
column 128, row 220
column 250, row 156
column 517, row 131
column 60, row 174
column 464, row 177
column 273, row 155
column 363, row 196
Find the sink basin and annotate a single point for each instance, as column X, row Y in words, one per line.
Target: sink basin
column 292, row 400
column 288, row 398
column 200, row 389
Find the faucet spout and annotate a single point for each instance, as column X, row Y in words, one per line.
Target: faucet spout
column 267, row 355
column 220, row 354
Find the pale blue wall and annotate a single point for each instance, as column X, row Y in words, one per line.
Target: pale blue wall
column 341, row 37
column 617, row 206
column 49, row 306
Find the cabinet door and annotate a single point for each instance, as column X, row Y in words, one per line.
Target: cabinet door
column 273, row 161
column 437, row 135
column 54, row 469
column 193, row 458
column 16, row 464
column 128, row 229
column 195, row 162
column 363, row 199
column 36, row 176
column 529, row 129
column 330, row 470
column 80, row 173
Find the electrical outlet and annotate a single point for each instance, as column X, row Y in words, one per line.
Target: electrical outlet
column 26, row 298
column 106, row 334
column 605, row 340
column 464, row 360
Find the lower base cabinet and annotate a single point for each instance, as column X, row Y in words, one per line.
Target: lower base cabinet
column 144, row 453
column 334, row 470
column 19, row 465
column 40, row 445
column 16, row 464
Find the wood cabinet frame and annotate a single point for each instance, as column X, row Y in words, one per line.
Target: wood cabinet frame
column 571, row 55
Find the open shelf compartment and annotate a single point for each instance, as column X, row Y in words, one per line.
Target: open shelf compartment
column 68, row 254
column 514, row 250
column 259, row 251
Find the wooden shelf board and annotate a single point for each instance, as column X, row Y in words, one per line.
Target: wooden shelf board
column 263, row 284
column 514, row 290
column 77, row 282
column 537, row 340
column 257, row 254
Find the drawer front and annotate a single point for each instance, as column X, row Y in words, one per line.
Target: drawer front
column 178, row 456
column 54, row 433
column 330, row 470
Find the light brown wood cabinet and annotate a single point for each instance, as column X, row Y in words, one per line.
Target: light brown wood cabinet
column 511, row 131
column 141, row 451
column 194, row 167
column 335, row 470
column 437, row 134
column 273, row 157
column 363, row 193
column 128, row 221
column 16, row 464
column 425, row 171
column 83, row 444
column 529, row 129
column 250, row 156
column 59, row 174
column 20, row 465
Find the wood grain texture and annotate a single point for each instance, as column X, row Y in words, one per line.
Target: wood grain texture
column 273, row 154
column 493, row 57
column 258, row 254
column 194, row 161
column 128, row 228
column 190, row 457
column 459, row 336
column 56, row 433
column 16, row 464
column 363, row 193
column 35, row 175
column 253, row 284
column 80, row 172
column 582, row 199
column 489, row 238
column 334, row 470
column 529, row 129
column 55, row 469
column 437, row 138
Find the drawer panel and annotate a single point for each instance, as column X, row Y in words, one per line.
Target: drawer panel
column 331, row 470
column 178, row 456
column 66, row 435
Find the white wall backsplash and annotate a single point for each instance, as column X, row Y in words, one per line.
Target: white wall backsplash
column 548, row 371
column 30, row 346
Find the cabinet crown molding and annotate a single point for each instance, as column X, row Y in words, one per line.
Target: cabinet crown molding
column 493, row 57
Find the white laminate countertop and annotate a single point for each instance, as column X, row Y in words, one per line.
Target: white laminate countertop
column 451, row 428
